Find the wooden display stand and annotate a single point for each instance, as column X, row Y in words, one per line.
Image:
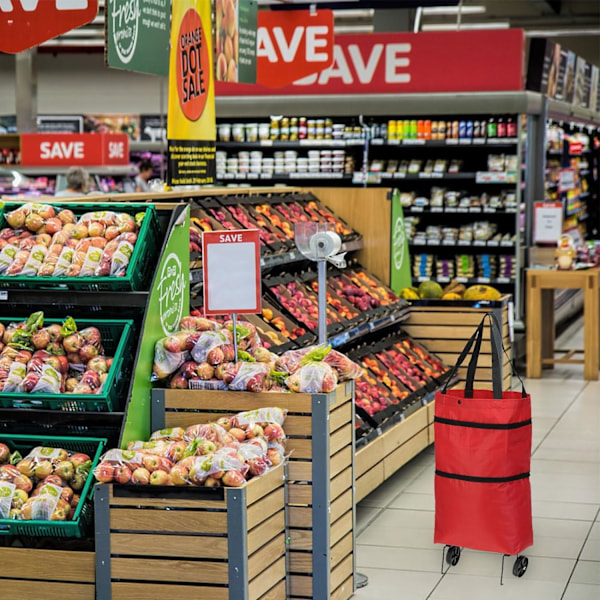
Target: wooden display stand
column 540, row 320
column 320, row 491
column 444, row 327
column 236, row 550
column 51, row 574
column 381, row 457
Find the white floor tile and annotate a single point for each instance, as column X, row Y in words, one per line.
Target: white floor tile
column 403, row 559
column 586, row 572
column 551, row 509
column 487, row 564
column 465, row 587
column 415, row 501
column 387, row 584
column 364, row 516
column 582, row 591
column 562, row 528
column 591, row 551
column 554, row 547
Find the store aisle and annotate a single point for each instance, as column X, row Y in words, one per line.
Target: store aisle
column 395, row 524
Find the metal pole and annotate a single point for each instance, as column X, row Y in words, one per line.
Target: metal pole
column 26, row 91
column 235, row 345
column 322, row 298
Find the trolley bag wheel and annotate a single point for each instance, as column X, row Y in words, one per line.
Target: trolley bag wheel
column 520, row 566
column 453, row 555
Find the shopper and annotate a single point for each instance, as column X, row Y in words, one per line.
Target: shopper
column 78, row 183
column 141, row 181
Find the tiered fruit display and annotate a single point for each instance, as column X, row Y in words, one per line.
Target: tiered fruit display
column 278, row 321
column 56, row 359
column 227, row 453
column 343, row 308
column 201, row 355
column 44, row 485
column 431, row 290
column 46, row 242
column 373, row 396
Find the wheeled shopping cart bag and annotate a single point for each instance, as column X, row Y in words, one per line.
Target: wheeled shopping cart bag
column 482, row 459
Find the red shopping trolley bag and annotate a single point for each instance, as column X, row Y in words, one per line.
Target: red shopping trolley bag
column 482, row 459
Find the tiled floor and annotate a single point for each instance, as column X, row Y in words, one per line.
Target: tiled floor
column 395, row 523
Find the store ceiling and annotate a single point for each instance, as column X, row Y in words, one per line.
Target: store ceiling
column 573, row 23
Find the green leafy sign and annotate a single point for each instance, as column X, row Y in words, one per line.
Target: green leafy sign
column 400, row 273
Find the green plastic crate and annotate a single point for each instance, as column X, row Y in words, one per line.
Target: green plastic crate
column 117, row 337
column 82, row 518
column 136, row 271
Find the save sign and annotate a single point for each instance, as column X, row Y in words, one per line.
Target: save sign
column 28, row 23
column 292, row 45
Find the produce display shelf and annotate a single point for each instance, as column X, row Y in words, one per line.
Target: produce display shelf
column 24, row 572
column 463, row 243
column 65, row 297
column 117, row 339
column 374, row 325
column 94, row 170
column 459, row 210
column 137, row 269
column 320, row 498
column 83, row 513
column 283, row 258
column 218, row 543
column 392, row 446
column 284, row 177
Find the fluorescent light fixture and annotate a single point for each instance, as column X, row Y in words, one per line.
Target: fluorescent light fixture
column 465, row 26
column 453, row 10
column 568, row 32
column 354, row 13
column 353, row 29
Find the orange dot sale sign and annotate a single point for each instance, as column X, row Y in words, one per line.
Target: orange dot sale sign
column 191, row 116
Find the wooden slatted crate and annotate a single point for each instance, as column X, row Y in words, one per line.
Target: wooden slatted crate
column 385, row 454
column 444, row 327
column 217, row 543
column 320, row 486
column 49, row 574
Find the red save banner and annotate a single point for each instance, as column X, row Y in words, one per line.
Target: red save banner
column 428, row 62
column 28, row 23
column 292, row 44
column 74, row 149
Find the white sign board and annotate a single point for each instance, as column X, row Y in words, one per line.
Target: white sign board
column 548, row 222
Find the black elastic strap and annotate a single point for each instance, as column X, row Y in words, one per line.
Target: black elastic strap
column 462, row 357
column 482, row 479
column 474, row 425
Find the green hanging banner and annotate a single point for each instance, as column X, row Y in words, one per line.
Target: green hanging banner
column 169, row 302
column 400, row 273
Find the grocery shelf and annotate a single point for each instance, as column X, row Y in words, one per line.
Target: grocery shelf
column 283, row 177
column 67, row 298
column 50, row 170
column 459, row 210
column 452, row 142
column 463, row 243
column 287, row 145
column 469, row 280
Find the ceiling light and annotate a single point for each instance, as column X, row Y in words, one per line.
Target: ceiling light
column 464, row 26
column 573, row 31
column 453, row 10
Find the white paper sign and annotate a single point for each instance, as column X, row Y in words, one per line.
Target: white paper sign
column 548, row 222
column 231, row 264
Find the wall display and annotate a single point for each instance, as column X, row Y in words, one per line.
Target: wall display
column 113, row 123
column 60, row 124
column 293, row 45
column 383, row 63
column 24, row 25
column 191, row 116
column 235, row 31
column 137, row 36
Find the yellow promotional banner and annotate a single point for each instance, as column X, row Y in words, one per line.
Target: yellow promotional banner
column 191, row 128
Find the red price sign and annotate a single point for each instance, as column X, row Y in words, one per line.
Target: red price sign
column 231, row 272
column 28, row 23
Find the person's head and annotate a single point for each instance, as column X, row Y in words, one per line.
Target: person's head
column 77, row 180
column 146, row 170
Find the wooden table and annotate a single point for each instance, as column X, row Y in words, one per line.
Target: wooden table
column 540, row 320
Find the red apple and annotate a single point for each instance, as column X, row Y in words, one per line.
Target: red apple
column 273, row 432
column 4, row 453
column 22, row 482
column 238, row 434
column 122, row 474
column 233, row 479
column 140, row 476
column 104, row 472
